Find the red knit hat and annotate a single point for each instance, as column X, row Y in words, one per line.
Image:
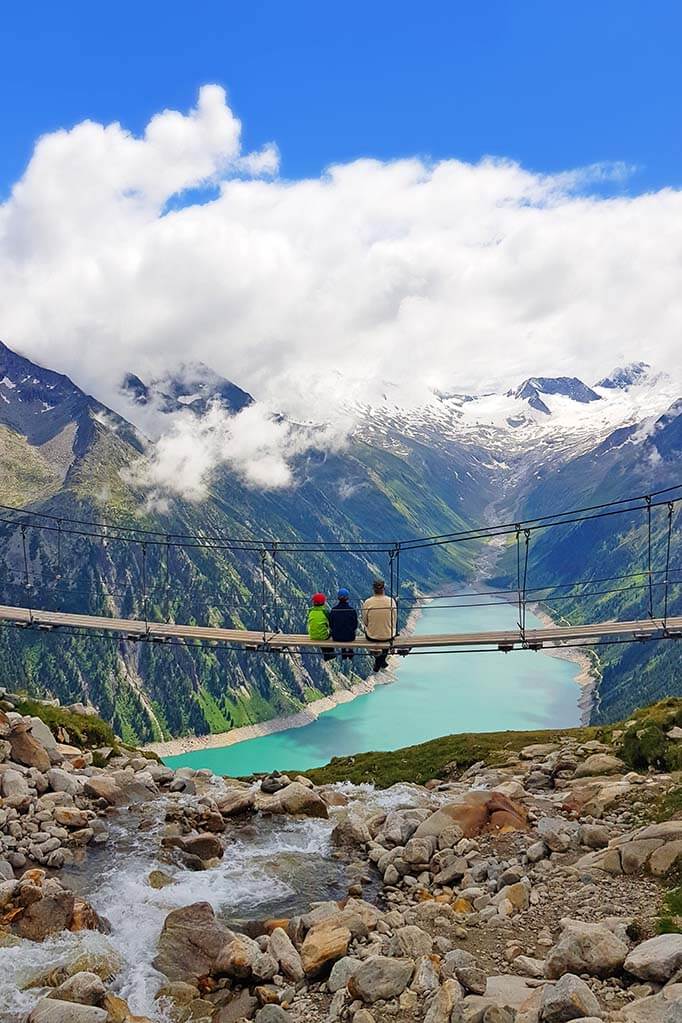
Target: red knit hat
column 319, row 598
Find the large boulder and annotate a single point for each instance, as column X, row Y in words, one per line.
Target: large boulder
column 43, row 733
column 205, row 845
column 656, row 959
column 478, row 813
column 665, row 1007
column 60, row 780
column 236, row 959
column 190, row 942
column 324, row 944
column 599, row 764
column 297, row 799
column 100, row 786
column 235, row 802
column 84, row 988
column 380, row 978
column 569, row 999
column 49, row 914
column 586, row 948
column 27, row 750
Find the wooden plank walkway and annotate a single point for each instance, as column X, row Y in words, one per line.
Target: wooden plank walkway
column 510, row 639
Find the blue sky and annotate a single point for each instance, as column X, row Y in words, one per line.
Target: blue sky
column 551, row 85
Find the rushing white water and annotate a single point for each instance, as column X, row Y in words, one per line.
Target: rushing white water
column 272, row 866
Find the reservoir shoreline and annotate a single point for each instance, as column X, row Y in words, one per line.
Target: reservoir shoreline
column 587, row 681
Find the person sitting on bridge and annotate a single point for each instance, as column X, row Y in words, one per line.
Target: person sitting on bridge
column 343, row 622
column 380, row 620
column 318, row 624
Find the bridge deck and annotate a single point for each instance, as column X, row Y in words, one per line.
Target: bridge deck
column 136, row 629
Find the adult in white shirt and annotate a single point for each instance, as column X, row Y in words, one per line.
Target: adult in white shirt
column 380, row 620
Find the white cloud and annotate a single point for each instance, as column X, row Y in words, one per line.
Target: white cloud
column 378, row 277
column 256, row 445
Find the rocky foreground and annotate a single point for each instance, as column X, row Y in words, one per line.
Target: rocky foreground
column 531, row 891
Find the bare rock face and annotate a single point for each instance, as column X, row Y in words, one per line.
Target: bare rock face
column 586, row 948
column 190, row 942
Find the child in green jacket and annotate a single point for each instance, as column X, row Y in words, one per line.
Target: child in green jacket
column 318, row 624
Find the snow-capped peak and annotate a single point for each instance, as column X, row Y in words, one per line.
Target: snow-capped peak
column 626, row 376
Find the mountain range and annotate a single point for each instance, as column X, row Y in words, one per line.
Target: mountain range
column 450, row 463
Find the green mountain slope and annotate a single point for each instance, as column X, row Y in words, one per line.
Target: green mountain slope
column 147, row 691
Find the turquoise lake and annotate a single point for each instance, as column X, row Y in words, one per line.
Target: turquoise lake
column 432, row 695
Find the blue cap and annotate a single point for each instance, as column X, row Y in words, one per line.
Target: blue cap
column 343, row 593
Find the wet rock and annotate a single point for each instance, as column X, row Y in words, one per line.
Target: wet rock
column 657, row 959
column 159, row 879
column 570, row 998
column 586, row 948
column 49, row 914
column 52, row 1011
column 323, row 944
column 350, row 832
column 235, row 802
column 296, row 799
column 273, row 783
column 190, row 942
column 84, row 988
column 380, row 978
column 206, row 846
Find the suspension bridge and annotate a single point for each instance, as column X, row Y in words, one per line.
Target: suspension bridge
column 657, row 511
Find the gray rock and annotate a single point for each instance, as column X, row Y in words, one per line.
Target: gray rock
column 665, row 1007
column 380, row 978
column 62, row 781
column 342, row 971
column 657, row 959
column 586, row 948
column 42, row 732
column 411, row 942
column 568, row 999
column 282, row 948
column 600, row 764
column 272, row 1014
column 594, row 836
column 557, row 833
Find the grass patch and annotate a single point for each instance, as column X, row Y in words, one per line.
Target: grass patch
column 84, row 730
column 644, row 742
column 670, row 920
column 430, row 759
